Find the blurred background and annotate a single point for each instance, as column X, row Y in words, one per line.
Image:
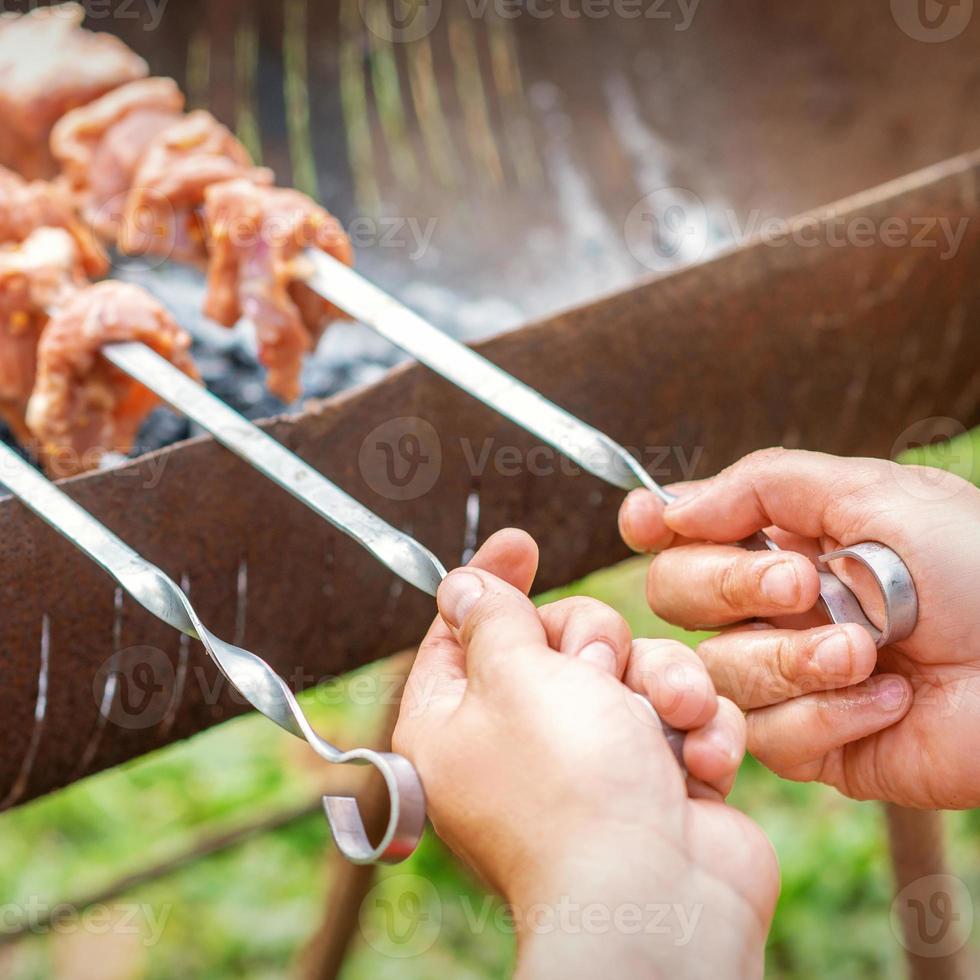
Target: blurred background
column 490, row 169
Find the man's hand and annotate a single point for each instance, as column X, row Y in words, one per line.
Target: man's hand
column 547, row 774
column 900, row 724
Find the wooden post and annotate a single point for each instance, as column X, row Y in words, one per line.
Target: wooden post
column 324, row 955
column 930, row 904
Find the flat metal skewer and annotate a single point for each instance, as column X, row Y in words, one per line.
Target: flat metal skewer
column 593, row 450
column 252, row 676
column 401, row 553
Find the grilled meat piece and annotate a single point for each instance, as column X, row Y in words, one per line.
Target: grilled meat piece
column 162, row 213
column 256, row 238
column 40, row 273
column 82, row 407
column 26, row 206
column 48, row 65
column 100, row 145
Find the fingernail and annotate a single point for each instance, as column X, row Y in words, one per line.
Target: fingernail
column 723, row 743
column 890, row 694
column 601, row 654
column 780, row 584
column 832, row 657
column 458, row 594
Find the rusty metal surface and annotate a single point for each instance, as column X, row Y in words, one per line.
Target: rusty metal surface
column 836, row 348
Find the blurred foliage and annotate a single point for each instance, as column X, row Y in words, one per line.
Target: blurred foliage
column 247, row 912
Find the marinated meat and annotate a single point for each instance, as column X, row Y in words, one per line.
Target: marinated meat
column 35, row 276
column 162, row 214
column 48, row 65
column 82, row 407
column 26, row 206
column 100, row 145
column 256, row 239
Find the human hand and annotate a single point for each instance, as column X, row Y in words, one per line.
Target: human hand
column 900, row 724
column 544, row 771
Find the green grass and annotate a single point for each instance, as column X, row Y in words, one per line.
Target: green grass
column 248, row 911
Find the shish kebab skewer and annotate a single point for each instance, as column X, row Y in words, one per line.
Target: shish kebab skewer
column 251, row 675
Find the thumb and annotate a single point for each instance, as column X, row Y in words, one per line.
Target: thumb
column 491, row 619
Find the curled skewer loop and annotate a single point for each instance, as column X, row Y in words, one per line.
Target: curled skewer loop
column 901, row 602
column 266, row 691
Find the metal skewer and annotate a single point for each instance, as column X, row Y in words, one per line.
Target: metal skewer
column 402, row 554
column 594, row 451
column 251, row 675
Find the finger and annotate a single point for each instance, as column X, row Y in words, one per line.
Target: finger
column 438, row 676
column 801, row 732
column 674, row 680
column 714, row 752
column 704, row 585
column 811, row 494
column 641, row 522
column 491, row 619
column 590, row 630
column 760, row 667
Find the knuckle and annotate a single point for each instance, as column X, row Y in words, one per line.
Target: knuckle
column 786, row 667
column 766, row 459
column 729, row 586
column 598, row 617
